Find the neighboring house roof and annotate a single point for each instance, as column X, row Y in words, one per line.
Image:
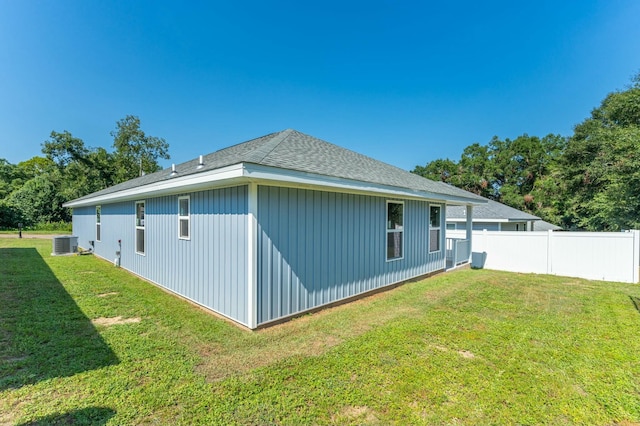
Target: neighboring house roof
column 286, row 156
column 493, row 211
column 541, row 225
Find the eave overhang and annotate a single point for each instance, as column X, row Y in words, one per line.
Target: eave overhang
column 479, row 219
column 243, row 173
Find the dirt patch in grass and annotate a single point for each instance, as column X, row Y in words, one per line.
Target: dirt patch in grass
column 112, row 293
column 355, row 415
column 220, row 362
column 463, row 353
column 466, row 354
column 107, row 322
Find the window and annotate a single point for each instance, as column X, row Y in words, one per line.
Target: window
column 98, row 223
column 140, row 227
column 434, row 228
column 451, row 226
column 183, row 218
column 395, row 230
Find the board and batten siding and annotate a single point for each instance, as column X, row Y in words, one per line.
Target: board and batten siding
column 84, row 225
column 210, row 268
column 317, row 247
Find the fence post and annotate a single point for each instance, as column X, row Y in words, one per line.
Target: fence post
column 469, row 231
column 549, row 252
column 484, row 240
column 454, row 251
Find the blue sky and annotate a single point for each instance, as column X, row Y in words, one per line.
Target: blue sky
column 403, row 82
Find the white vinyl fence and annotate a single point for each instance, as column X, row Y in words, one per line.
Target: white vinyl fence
column 608, row 256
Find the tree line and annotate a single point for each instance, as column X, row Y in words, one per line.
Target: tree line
column 589, row 180
column 32, row 191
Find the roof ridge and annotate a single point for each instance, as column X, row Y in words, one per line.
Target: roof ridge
column 274, row 142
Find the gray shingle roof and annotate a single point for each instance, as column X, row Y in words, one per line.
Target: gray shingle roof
column 293, row 150
column 491, row 210
column 541, row 225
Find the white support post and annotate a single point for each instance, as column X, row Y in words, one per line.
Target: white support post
column 252, row 255
column 549, row 251
column 469, row 230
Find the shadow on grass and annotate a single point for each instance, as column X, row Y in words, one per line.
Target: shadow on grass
column 86, row 416
column 636, row 302
column 43, row 333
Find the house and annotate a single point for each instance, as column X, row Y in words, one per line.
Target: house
column 541, row 225
column 493, row 216
column 273, row 227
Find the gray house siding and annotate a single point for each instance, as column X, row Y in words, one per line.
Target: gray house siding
column 514, row 226
column 84, row 225
column 492, row 226
column 317, row 247
column 210, row 268
column 477, row 226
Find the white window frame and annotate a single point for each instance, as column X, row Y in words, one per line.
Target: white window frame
column 98, row 223
column 141, row 226
column 186, row 218
column 393, row 231
column 435, row 228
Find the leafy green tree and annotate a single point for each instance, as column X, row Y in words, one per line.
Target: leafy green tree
column 74, row 162
column 10, row 178
column 82, row 170
column 9, row 216
column 438, row 170
column 63, row 149
column 33, row 191
column 515, row 172
column 474, row 171
column 39, row 200
column 35, row 166
column 135, row 152
column 518, row 165
column 601, row 165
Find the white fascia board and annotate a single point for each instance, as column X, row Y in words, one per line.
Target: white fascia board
column 193, row 182
column 453, row 201
column 296, row 179
column 476, row 220
column 247, row 172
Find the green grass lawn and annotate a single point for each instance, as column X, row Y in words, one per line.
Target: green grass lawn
column 467, row 347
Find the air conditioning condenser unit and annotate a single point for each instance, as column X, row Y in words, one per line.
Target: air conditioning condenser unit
column 64, row 244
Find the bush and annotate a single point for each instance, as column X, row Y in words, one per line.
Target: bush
column 52, row 226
